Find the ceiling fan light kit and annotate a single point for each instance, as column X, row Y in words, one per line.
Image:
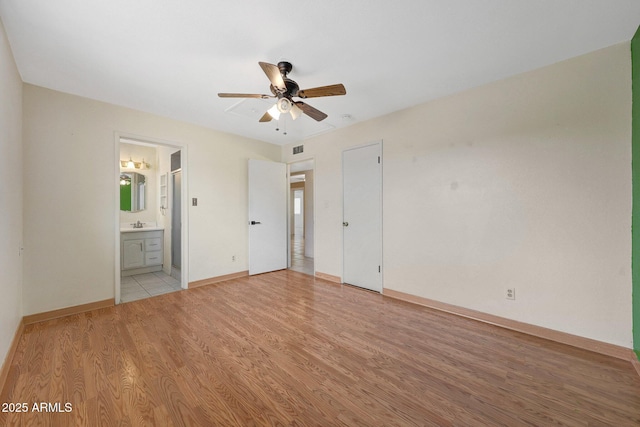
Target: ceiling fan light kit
column 284, row 105
column 284, row 90
column 273, row 112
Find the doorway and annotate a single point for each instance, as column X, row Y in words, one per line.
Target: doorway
column 301, row 217
column 151, row 273
column 272, row 242
column 362, row 216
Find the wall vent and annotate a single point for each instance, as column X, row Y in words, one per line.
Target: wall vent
column 299, row 149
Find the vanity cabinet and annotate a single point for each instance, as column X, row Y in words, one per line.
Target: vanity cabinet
column 132, row 253
column 141, row 252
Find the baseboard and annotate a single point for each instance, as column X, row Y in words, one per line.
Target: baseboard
column 636, row 364
column 328, row 277
column 6, row 365
column 55, row 314
column 538, row 331
column 141, row 270
column 218, row 279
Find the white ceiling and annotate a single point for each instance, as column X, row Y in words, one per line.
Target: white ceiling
column 172, row 57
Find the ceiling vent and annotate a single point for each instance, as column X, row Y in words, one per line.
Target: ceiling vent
column 299, row 149
column 249, row 108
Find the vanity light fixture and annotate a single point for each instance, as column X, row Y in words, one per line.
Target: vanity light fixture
column 144, row 165
column 130, row 164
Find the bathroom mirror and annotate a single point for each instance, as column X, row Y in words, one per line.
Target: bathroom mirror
column 132, row 192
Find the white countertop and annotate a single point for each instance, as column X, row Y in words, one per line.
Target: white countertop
column 130, row 229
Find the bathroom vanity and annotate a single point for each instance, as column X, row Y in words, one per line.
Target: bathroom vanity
column 141, row 250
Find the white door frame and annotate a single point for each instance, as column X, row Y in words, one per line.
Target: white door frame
column 183, row 147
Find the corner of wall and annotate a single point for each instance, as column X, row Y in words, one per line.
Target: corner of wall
column 635, row 162
column 11, row 215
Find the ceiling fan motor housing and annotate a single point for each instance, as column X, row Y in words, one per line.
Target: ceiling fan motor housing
column 285, row 68
column 292, row 89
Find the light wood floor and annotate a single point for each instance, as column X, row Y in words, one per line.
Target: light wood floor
column 287, row 349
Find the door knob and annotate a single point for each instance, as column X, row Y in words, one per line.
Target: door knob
column 345, row 224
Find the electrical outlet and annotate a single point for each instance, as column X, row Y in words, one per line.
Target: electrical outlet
column 233, row 258
column 511, row 293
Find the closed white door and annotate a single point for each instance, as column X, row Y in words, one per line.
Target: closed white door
column 267, row 216
column 362, row 216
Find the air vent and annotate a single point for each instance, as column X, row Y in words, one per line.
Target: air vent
column 299, row 149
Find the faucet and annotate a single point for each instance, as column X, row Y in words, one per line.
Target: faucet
column 137, row 224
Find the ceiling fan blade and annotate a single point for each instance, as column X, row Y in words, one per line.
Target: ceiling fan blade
column 331, row 90
column 265, row 118
column 244, row 95
column 273, row 73
column 314, row 113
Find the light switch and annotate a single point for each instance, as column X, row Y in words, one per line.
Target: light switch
column 194, row 201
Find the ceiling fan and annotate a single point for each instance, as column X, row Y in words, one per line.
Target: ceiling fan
column 285, row 89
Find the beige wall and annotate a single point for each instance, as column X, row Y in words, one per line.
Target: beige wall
column 70, row 205
column 10, row 196
column 524, row 183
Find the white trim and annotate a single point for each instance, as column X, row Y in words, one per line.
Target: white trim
column 116, row 218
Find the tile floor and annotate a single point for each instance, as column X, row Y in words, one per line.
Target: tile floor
column 141, row 286
column 299, row 262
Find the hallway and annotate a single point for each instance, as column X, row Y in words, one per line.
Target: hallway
column 299, row 262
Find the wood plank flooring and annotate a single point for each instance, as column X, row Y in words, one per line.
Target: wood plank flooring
column 286, row 349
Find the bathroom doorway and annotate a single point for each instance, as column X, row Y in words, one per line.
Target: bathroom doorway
column 150, row 249
column 301, row 217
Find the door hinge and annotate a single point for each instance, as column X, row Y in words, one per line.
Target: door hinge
column 379, row 269
column 378, row 159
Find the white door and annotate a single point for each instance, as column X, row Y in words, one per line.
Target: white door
column 362, row 216
column 267, row 216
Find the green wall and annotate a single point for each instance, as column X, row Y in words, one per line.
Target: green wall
column 125, row 197
column 635, row 227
